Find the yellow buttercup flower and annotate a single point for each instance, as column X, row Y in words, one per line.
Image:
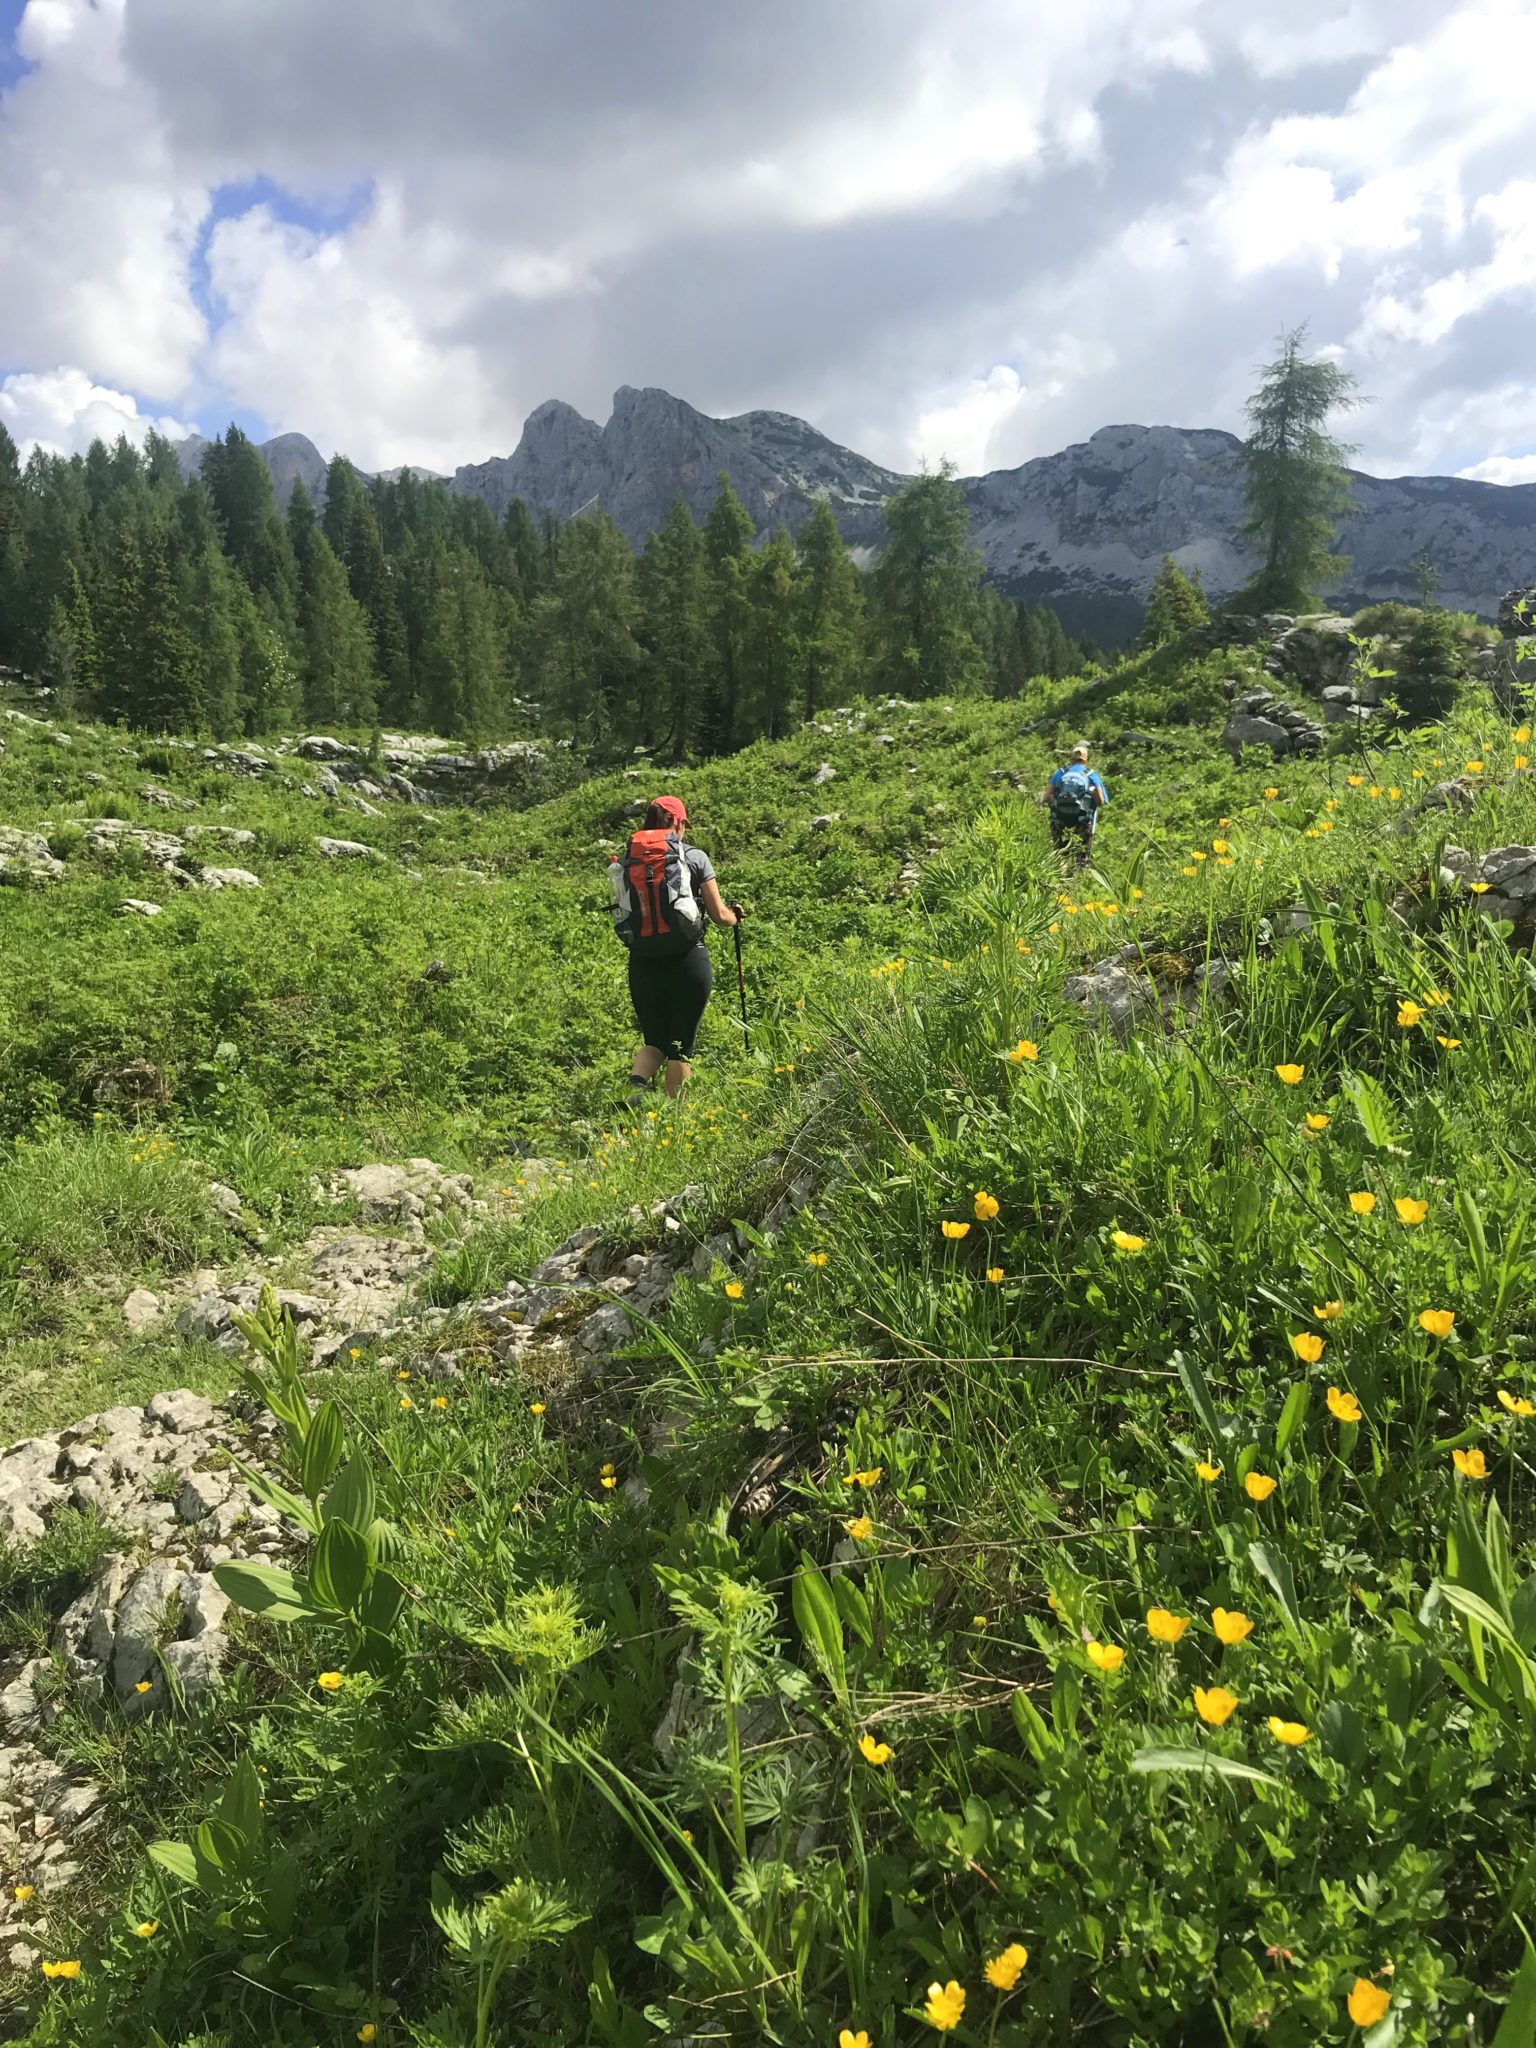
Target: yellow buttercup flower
column 1436, row 998
column 1190, row 871
column 816, row 1259
column 1317, row 1120
column 1207, row 1471
column 1450, row 1044
column 1408, row 1013
column 1521, row 734
column 1292, row 1733
column 1375, row 789
column 1219, row 846
column 1343, row 1407
column 1362, row 1202
column 870, row 1477
column 1355, row 781
column 847, row 2038
column 1026, row 1049
column 1164, row 1627
column 734, row 1290
column 875, row 1752
column 954, row 1231
column 861, row 1528
column 1126, row 1241
column 146, row 1928
column 1515, row 1403
column 1271, row 793
column 22, row 1892
column 1231, row 1625
column 1437, row 1322
column 406, row 1401
column 143, row 1685
column 1367, row 2002
column 1290, row 1072
column 69, row 1969
column 1259, row 1485
column 1004, row 1971
column 945, row 2007
column 987, row 1206
column 1474, row 767
column 1410, row 1209
column 996, row 1275
column 535, row 1407
column 1196, row 853
column 330, row 1681
column 608, row 1481
column 1470, row 1464
column 1308, row 1346
column 1105, row 1656
column 367, row 2032
column 1215, row 1705
column 1329, row 1312
column 439, row 1400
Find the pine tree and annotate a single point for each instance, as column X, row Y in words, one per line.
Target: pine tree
column 925, row 586
column 830, row 621
column 1056, row 651
column 1298, row 485
column 478, row 644
column 1175, row 604
column 727, row 545
column 673, row 630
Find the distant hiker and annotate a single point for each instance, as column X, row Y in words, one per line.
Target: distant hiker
column 1077, row 795
column 663, row 889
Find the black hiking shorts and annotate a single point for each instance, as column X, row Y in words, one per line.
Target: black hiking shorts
column 669, row 998
column 1080, row 829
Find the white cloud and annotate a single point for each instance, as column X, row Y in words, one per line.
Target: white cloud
column 1502, row 469
column 960, row 430
column 63, row 412
column 980, row 230
column 99, row 221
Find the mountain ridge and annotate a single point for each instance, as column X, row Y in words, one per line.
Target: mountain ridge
column 1083, row 529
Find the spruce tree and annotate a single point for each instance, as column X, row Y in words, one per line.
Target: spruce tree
column 149, row 673
column 772, row 662
column 829, row 626
column 1175, row 604
column 1297, row 481
column 585, row 651
column 727, row 544
column 338, row 679
column 1032, row 649
column 674, row 631
column 926, row 585
column 11, row 558
column 526, row 549
column 254, row 537
column 71, row 663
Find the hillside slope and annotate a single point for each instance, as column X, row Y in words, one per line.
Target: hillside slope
column 1050, row 1563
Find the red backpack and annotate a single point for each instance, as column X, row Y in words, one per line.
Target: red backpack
column 655, row 911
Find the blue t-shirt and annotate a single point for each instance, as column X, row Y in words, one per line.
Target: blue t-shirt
column 1094, row 777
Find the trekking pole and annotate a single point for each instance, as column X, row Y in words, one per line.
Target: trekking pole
column 741, row 986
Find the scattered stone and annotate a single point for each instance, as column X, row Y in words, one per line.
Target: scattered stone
column 225, row 878
column 141, row 1311
column 166, row 799
column 136, row 906
column 824, row 774
column 826, row 821
column 346, row 849
column 396, row 1193
column 134, row 1081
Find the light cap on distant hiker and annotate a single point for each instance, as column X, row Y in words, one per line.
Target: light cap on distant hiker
column 1080, row 751
column 673, row 806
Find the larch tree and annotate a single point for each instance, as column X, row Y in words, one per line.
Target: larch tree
column 926, row 584
column 830, row 623
column 1297, row 480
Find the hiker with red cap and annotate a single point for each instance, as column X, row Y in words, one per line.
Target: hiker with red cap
column 663, row 890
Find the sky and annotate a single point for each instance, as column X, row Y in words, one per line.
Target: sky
column 978, row 231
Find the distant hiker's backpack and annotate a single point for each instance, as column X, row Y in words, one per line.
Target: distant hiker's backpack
column 1074, row 799
column 655, row 911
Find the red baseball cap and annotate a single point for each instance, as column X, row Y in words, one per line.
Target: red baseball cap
column 674, row 807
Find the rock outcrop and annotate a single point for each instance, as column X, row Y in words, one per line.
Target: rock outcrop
column 1258, row 718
